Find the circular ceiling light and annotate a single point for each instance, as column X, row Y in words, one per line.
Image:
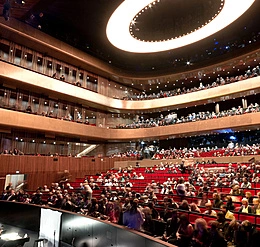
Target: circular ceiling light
column 118, row 26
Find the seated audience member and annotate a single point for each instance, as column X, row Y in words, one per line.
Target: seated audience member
column 194, row 208
column 246, row 184
column 201, row 236
column 246, row 235
column 200, row 192
column 171, row 227
column 37, row 198
column 62, row 78
column 216, row 237
column 59, row 202
column 209, row 210
column 249, row 197
column 255, row 178
column 148, row 225
column 45, row 188
column 184, row 205
column 9, row 187
column 222, row 223
column 245, row 208
column 29, row 109
column 184, row 233
column 11, row 195
column 217, row 202
column 256, row 206
column 92, row 208
column 202, row 202
column 235, row 190
column 190, row 192
column 230, row 205
column 231, row 230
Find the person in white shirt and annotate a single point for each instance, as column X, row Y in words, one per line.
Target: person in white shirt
column 246, row 184
column 209, row 210
column 245, row 208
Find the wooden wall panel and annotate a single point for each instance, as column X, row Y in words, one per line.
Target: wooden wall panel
column 45, row 170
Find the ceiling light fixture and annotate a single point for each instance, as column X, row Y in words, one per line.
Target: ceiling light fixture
column 118, row 26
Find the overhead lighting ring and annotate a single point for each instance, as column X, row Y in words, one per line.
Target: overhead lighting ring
column 118, row 26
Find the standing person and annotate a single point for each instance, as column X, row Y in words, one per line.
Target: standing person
column 6, row 10
column 133, row 217
column 88, row 192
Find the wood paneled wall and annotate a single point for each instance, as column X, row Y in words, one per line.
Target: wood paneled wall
column 45, row 170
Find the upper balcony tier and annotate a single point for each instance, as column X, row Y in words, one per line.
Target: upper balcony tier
column 32, row 81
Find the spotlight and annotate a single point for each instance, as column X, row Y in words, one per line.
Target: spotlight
column 21, row 2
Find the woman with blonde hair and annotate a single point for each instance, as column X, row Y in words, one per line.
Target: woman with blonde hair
column 256, row 206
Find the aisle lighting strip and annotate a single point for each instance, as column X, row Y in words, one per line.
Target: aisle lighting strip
column 119, row 35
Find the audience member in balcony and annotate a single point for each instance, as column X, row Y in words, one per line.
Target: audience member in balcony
column 217, row 202
column 28, row 109
column 62, row 78
column 201, row 236
column 245, row 208
column 209, row 210
column 184, row 233
column 148, row 225
column 171, row 227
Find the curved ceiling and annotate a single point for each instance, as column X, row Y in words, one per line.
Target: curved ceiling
column 83, row 25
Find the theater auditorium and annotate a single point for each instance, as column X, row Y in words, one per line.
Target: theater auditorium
column 130, row 123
